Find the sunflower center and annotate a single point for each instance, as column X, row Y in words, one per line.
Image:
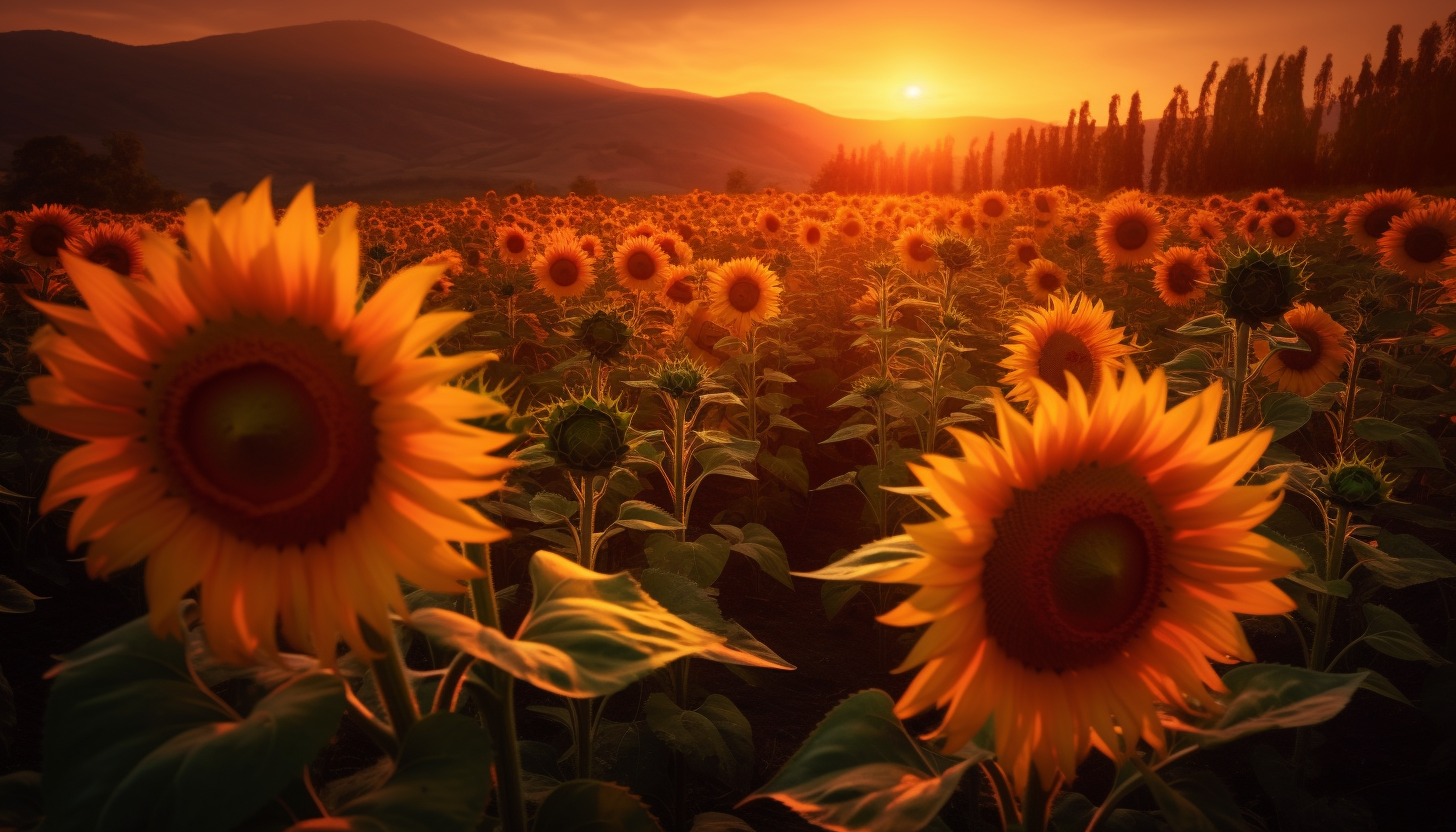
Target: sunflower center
column 564, row 272
column 993, row 208
column 771, row 224
column 1042, row 204
column 812, row 236
column 681, row 292
column 1425, row 244
column 112, row 257
column 1377, row 222
column 515, row 244
column 46, row 240
column 1076, row 568
column 1048, row 280
column 919, row 250
column 1262, row 205
column 263, row 429
column 743, row 295
column 641, row 266
column 1282, row 226
column 850, row 229
column 1298, row 359
column 1131, row 233
column 1181, row 277
column 1065, row 353
column 1026, row 254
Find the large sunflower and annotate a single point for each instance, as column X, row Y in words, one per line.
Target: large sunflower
column 1420, row 239
column 1205, row 228
column 916, row 255
column 1130, row 233
column 114, row 246
column 564, row 270
column 1046, row 204
column 1283, row 227
column 641, row 264
column 1068, row 336
column 1303, row 372
column 1044, row 279
column 993, row 206
column 43, row 232
column 1179, row 275
column 1370, row 218
column 768, row 223
column 1087, row 567
column 513, row 244
column 743, row 292
column 248, row 430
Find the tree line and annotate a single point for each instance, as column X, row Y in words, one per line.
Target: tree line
column 1394, row 123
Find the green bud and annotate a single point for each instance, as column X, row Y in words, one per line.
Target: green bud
column 1259, row 286
column 586, row 435
column 603, row 333
column 1355, row 484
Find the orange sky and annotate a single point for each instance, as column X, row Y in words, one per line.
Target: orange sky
column 852, row 58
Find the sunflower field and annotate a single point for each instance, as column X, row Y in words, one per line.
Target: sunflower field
column 711, row 513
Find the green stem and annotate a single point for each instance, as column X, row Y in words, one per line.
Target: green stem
column 881, row 453
column 752, row 392
column 1347, row 418
column 582, row 710
column 390, row 678
column 1036, row 805
column 680, row 670
column 1334, row 556
column 586, row 522
column 1234, row 422
column 1005, row 797
column 679, row 465
column 1129, row 785
column 498, row 708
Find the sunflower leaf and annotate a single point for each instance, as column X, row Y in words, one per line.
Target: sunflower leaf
column 1285, row 412
column 861, row 770
column 1262, row 697
column 590, row 805
column 873, row 561
column 696, row 605
column 129, row 735
column 701, row 560
column 1387, row 631
column 715, row 738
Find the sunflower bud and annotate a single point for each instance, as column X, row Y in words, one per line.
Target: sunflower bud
column 603, row 333
column 955, row 253
column 377, row 252
column 679, row 379
column 1355, row 484
column 873, row 387
column 1258, row 287
column 586, row 435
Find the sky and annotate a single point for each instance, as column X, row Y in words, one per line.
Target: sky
column 858, row 58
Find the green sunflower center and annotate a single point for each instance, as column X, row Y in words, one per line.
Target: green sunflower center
column 919, row 250
column 1076, row 569
column 1181, row 277
column 812, row 236
column 515, row 244
column 993, row 208
column 262, row 428
column 113, row 257
column 1042, row 204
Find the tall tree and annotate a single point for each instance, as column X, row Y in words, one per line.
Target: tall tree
column 1132, row 144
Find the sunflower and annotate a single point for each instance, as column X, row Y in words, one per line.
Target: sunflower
column 1178, row 275
column 591, row 244
column 641, row 264
column 1303, row 372
column 810, row 235
column 701, row 338
column 1265, row 201
column 1023, row 250
column 768, row 223
column 1044, row 279
column 1130, row 232
column 1370, row 218
column 916, row 255
column 246, row 429
column 1073, row 337
column 114, row 246
column 1205, row 228
column 1420, row 239
column 677, row 288
column 677, row 251
column 967, row 222
column 1282, row 227
column 992, row 206
column 849, row 224
column 743, row 292
column 564, row 270
column 43, row 232
column 513, row 243
column 1088, row 567
column 1046, row 204
column 1251, row 228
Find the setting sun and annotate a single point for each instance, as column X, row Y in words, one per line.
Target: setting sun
column 912, row 92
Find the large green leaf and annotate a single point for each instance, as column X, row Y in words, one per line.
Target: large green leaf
column 1285, row 412
column 885, row 561
column 762, row 546
column 16, row 598
column 702, row 560
column 130, row 738
column 719, row 822
column 1199, row 802
column 787, row 466
column 593, row 806
column 715, row 738
column 860, row 770
column 1388, row 632
column 1263, row 697
column 587, row 634
column 643, row 516
column 440, row 784
column 1394, row 571
column 695, row 605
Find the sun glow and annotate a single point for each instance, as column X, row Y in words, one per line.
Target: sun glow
column 912, row 92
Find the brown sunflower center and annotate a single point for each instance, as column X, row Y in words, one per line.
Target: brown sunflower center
column 993, row 208
column 1377, row 221
column 641, row 266
column 1131, row 233
column 263, row 429
column 564, row 272
column 1298, row 359
column 1042, row 204
column 919, row 250
column 1076, row 568
column 1048, row 280
column 113, row 257
column 1065, row 353
column 1026, row 253
column 1262, row 205
column 680, row 292
column 812, row 236
column 852, row 228
column 515, row 244
column 1282, row 226
column 771, row 224
column 743, row 295
column 1181, row 277
column 1426, row 244
column 47, row 240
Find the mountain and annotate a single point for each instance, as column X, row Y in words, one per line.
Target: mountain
column 368, row 111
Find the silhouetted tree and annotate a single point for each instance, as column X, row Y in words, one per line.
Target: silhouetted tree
column 59, row 169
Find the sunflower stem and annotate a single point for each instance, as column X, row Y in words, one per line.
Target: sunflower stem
column 678, row 671
column 1324, row 618
column 498, row 708
column 581, row 710
column 391, row 679
column 1005, row 797
column 1347, row 418
column 679, row 465
column 1234, row 423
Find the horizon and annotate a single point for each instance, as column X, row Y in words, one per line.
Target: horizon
column 933, row 79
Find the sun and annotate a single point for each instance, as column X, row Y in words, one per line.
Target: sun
column 912, row 91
